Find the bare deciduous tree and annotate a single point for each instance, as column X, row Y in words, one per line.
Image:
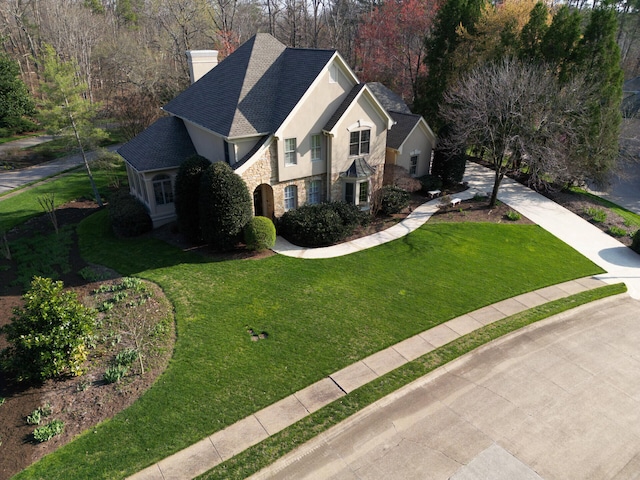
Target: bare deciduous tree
column 518, row 114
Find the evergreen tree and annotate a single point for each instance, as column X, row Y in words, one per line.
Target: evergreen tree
column 66, row 111
column 441, row 44
column 16, row 104
column 187, row 195
column 225, row 206
column 561, row 39
column 533, row 32
column 597, row 58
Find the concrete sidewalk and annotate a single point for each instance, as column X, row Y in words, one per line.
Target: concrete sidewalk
column 222, row 445
column 558, row 399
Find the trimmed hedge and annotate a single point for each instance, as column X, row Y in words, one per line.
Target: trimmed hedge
column 260, row 234
column 430, row 182
column 129, row 216
column 187, row 191
column 393, row 199
column 321, row 224
column 225, row 206
column 635, row 244
column 450, row 168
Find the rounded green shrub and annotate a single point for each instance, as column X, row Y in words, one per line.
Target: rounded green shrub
column 48, row 336
column 393, row 199
column 260, row 234
column 187, row 190
column 225, row 206
column 321, row 224
column 635, row 244
column 129, row 216
column 430, row 182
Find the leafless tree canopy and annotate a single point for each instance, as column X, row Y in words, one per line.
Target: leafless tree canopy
column 517, row 114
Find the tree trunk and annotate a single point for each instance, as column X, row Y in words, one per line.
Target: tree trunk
column 496, row 186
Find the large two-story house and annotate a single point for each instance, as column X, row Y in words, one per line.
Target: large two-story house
column 295, row 124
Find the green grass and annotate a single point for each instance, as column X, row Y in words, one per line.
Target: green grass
column 321, row 315
column 19, row 208
column 268, row 451
column 631, row 219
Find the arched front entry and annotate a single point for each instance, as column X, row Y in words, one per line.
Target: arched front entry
column 263, row 201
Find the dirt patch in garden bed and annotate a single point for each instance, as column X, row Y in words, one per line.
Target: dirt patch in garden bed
column 80, row 402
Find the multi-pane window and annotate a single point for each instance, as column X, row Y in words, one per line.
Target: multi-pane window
column 162, row 189
column 359, row 142
column 314, row 191
column 290, row 197
column 290, row 155
column 357, row 193
column 316, row 147
column 414, row 165
column 363, row 196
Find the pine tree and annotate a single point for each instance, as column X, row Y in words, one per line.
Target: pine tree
column 561, row 39
column 441, row 44
column 66, row 111
column 534, row 32
column 597, row 58
column 16, row 105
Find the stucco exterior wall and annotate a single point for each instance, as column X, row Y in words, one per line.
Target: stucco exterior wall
column 416, row 143
column 309, row 119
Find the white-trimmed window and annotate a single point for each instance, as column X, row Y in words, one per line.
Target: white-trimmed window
column 290, row 154
column 357, row 193
column 414, row 165
column 359, row 142
column 314, row 191
column 316, row 148
column 290, row 197
column 162, row 189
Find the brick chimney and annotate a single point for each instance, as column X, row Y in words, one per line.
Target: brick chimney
column 201, row 62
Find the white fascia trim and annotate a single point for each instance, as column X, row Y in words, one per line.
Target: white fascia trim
column 242, row 168
column 374, row 103
column 350, row 75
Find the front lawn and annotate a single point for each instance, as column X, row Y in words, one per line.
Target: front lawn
column 320, row 315
column 19, row 208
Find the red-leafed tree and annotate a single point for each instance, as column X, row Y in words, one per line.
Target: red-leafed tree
column 390, row 47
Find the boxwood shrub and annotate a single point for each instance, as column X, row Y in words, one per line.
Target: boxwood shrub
column 430, row 182
column 635, row 244
column 393, row 199
column 259, row 233
column 129, row 216
column 187, row 191
column 321, row 224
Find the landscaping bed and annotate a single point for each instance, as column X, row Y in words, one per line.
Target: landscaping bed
column 80, row 402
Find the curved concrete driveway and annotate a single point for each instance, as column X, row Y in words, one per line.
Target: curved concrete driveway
column 557, row 400
column 621, row 263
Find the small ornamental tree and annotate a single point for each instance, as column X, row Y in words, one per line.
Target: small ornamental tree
column 187, row 193
column 225, row 206
column 48, row 335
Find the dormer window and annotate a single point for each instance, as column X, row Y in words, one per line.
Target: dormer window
column 359, row 142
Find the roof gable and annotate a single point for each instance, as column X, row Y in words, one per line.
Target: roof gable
column 352, row 97
column 253, row 90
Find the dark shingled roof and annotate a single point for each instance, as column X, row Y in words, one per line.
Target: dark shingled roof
column 359, row 168
column 391, row 101
column 631, row 106
column 253, row 90
column 402, row 128
column 165, row 144
column 343, row 106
